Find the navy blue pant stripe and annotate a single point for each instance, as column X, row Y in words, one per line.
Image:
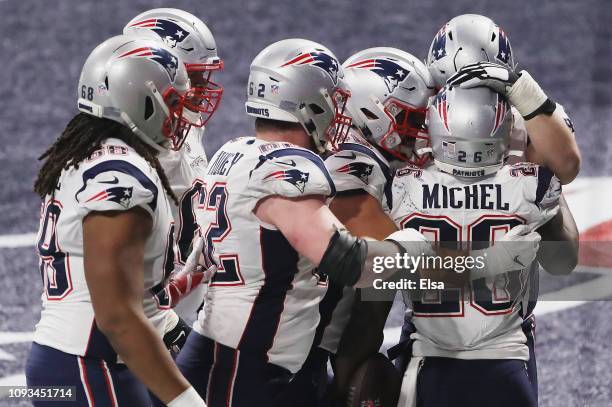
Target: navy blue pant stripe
column 279, row 261
column 222, row 376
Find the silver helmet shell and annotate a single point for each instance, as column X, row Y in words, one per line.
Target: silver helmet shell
column 469, row 131
column 390, row 89
column 193, row 41
column 299, row 81
column 467, row 39
column 139, row 83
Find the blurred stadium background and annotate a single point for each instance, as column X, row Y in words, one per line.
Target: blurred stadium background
column 566, row 45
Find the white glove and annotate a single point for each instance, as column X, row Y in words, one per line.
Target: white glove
column 521, row 90
column 182, row 281
column 413, row 242
column 515, row 251
column 188, row 398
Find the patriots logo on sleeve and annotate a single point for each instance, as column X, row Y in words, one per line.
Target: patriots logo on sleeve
column 168, row 61
column 359, row 170
column 295, row 177
column 120, row 195
column 391, row 72
column 168, row 30
column 319, row 59
column 438, row 48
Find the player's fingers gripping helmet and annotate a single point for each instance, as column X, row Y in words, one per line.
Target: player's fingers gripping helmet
column 298, row 81
column 140, row 83
column 469, row 131
column 389, row 93
column 467, row 39
column 191, row 39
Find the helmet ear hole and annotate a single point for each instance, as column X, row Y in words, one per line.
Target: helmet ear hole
column 106, row 82
column 369, row 114
column 316, row 109
column 450, row 35
column 148, row 108
column 493, row 37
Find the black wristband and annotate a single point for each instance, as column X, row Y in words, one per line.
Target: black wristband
column 547, row 108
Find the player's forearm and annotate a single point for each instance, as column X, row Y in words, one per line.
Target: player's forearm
column 143, row 351
column 558, row 252
column 554, row 145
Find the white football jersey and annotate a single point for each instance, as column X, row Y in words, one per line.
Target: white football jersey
column 356, row 166
column 185, row 169
column 264, row 298
column 450, row 323
column 113, row 178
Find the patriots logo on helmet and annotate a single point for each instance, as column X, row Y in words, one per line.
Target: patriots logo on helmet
column 391, row 72
column 319, row 59
column 442, row 107
column 120, row 195
column 168, row 30
column 295, row 177
column 438, row 47
column 159, row 55
column 359, row 170
column 505, row 52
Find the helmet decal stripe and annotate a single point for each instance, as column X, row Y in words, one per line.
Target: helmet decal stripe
column 302, row 59
column 321, row 60
column 366, row 63
column 145, row 23
column 146, row 51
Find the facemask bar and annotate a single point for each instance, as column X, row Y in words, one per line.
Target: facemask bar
column 340, row 125
column 410, row 131
column 175, row 126
column 205, row 95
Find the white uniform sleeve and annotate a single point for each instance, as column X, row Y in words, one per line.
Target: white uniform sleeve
column 544, row 192
column 290, row 172
column 359, row 170
column 117, row 185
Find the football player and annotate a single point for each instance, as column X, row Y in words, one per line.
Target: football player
column 193, row 41
column 389, row 93
column 542, row 132
column 470, row 195
column 106, row 231
column 266, row 225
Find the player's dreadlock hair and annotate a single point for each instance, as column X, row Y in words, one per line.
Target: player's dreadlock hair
column 82, row 136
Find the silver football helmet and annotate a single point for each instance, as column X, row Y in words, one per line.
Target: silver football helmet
column 139, row 83
column 298, row 81
column 191, row 39
column 389, row 93
column 467, row 39
column 469, row 131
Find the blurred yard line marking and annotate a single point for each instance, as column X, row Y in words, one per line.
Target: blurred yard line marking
column 18, row 240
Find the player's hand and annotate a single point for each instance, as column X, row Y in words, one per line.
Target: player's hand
column 195, row 271
column 176, row 333
column 521, row 90
column 412, row 241
column 515, row 251
column 494, row 76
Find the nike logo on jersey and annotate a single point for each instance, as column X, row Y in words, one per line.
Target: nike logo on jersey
column 115, row 180
column 351, row 156
column 288, row 163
